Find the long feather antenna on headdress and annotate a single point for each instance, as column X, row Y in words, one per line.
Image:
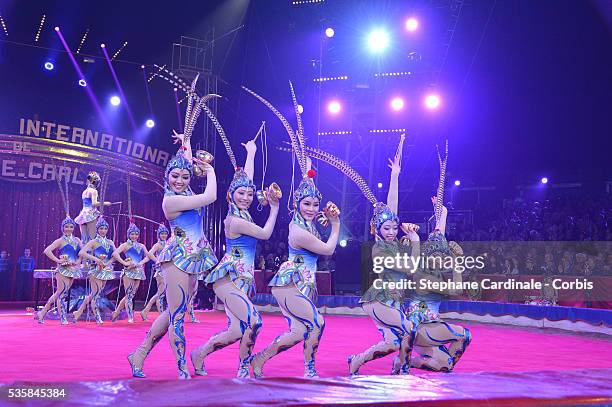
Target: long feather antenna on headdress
column 221, row 131
column 440, row 192
column 300, row 132
column 292, row 136
column 344, row 167
column 63, row 192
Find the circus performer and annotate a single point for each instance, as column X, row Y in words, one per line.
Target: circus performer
column 159, row 298
column 187, row 253
column 438, row 343
column 89, row 214
column 294, row 285
column 100, row 252
column 380, row 302
column 136, row 256
column 232, row 279
column 68, row 268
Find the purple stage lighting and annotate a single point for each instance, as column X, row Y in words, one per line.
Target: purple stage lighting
column 380, row 185
column 329, row 32
column 343, row 243
column 300, row 109
column 49, row 66
column 115, row 101
column 150, row 123
column 412, row 24
column 457, row 182
column 334, row 107
column 56, row 29
column 397, row 104
column 82, row 82
column 378, row 40
column 544, row 180
column 102, row 46
column 432, row 101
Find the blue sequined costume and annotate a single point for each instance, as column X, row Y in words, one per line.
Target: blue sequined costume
column 423, row 308
column 391, row 298
column 300, row 269
column 69, row 252
column 88, row 213
column 188, row 247
column 104, row 251
column 135, row 252
column 238, row 264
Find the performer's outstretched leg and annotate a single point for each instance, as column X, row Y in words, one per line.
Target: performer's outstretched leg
column 130, row 293
column 244, row 325
column 161, row 287
column 440, row 345
column 397, row 334
column 96, row 287
column 192, row 316
column 59, row 296
column 130, row 286
column 154, row 335
column 179, row 286
column 305, row 324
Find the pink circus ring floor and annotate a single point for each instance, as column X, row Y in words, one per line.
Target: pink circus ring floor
column 501, row 364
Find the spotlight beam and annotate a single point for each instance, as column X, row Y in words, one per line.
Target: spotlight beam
column 90, row 94
column 123, row 98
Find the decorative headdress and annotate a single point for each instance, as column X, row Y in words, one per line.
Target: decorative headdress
column 162, row 229
column 436, row 242
column 64, row 194
column 241, row 178
column 382, row 212
column 306, row 188
column 132, row 228
column 93, row 178
column 192, row 112
column 101, row 223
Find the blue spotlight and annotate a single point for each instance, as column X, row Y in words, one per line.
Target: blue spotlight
column 380, row 185
column 343, row 243
column 544, row 180
column 82, row 82
column 150, row 123
column 457, row 183
column 49, row 66
column 329, row 32
column 378, row 41
column 115, row 101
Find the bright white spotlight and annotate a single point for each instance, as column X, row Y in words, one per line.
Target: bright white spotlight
column 150, row 123
column 432, row 101
column 343, row 243
column 102, row 46
column 457, row 182
column 82, row 82
column 142, row 67
column 380, row 185
column 397, row 104
column 56, row 28
column 544, row 180
column 49, row 66
column 300, row 109
column 378, row 41
column 115, row 101
column 334, row 107
column 412, row 24
column 329, row 32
